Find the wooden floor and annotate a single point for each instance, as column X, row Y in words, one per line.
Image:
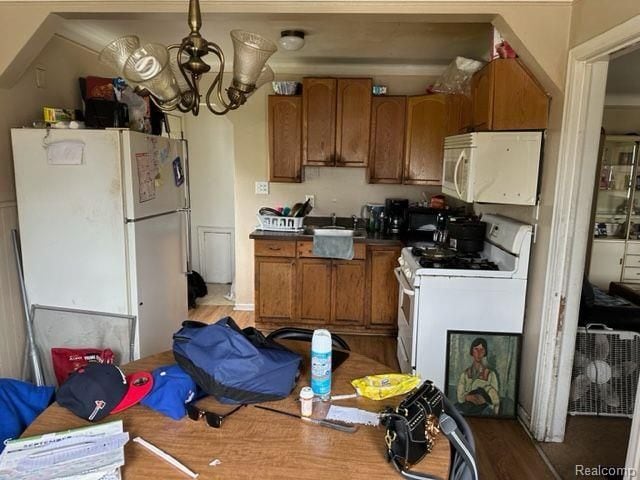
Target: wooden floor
column 504, row 450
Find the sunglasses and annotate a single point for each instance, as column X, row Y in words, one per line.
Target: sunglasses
column 213, row 419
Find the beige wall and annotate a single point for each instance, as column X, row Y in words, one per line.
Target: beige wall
column 337, row 190
column 64, row 63
column 621, row 120
column 593, row 17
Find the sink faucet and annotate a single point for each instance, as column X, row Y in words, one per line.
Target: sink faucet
column 354, row 219
column 333, row 219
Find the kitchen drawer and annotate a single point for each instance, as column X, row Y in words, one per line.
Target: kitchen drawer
column 305, row 250
column 275, row 248
column 631, row 275
column 633, row 248
column 632, row 261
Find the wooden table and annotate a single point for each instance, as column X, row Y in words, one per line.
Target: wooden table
column 253, row 443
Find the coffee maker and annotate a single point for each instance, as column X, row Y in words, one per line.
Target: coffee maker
column 396, row 211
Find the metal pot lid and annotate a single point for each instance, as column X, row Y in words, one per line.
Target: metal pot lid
column 434, row 253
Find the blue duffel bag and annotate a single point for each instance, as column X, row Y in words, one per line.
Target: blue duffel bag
column 234, row 365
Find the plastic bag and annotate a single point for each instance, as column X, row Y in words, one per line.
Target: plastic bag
column 457, row 76
column 379, row 387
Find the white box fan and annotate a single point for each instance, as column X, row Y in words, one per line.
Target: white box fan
column 605, row 372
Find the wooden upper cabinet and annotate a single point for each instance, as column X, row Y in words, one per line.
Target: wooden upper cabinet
column 459, row 114
column 424, row 140
column 353, row 121
column 386, row 151
column 507, row 97
column 347, row 292
column 318, row 121
column 285, row 132
column 482, row 95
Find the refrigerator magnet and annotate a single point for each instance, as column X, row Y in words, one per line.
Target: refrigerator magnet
column 178, row 174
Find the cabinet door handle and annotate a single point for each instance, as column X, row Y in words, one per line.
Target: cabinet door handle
column 275, row 249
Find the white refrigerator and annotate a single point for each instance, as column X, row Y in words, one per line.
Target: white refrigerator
column 104, row 225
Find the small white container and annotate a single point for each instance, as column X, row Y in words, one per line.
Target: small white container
column 306, row 401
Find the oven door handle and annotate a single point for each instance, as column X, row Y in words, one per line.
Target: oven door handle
column 406, row 288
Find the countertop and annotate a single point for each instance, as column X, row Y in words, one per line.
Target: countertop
column 369, row 238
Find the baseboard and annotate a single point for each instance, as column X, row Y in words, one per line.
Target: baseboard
column 248, row 307
column 524, row 417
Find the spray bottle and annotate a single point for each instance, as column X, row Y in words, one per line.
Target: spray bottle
column 321, row 364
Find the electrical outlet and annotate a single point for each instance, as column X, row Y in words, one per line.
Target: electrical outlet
column 262, row 188
column 312, row 200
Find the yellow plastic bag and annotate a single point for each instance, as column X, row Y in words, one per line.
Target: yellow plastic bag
column 379, row 387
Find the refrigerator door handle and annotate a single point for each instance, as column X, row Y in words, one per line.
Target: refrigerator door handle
column 147, row 217
column 187, row 238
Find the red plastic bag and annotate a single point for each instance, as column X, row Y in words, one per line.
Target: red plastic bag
column 68, row 360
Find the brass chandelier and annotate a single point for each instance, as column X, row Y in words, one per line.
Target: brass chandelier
column 171, row 75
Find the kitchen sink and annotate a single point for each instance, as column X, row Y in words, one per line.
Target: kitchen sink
column 333, row 230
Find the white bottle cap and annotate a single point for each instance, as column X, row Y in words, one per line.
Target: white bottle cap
column 306, row 393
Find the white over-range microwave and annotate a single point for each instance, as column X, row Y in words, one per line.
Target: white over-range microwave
column 492, row 167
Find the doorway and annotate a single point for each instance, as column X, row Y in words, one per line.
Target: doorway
column 584, row 104
column 211, row 170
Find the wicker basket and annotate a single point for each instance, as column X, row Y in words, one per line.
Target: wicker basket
column 274, row 223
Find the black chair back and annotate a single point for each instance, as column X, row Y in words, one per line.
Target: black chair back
column 305, row 334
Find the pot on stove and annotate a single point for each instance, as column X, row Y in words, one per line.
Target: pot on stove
column 466, row 235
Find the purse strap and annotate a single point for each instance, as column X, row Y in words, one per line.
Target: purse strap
column 449, row 427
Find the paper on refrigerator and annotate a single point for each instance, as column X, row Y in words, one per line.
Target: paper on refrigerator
column 88, row 453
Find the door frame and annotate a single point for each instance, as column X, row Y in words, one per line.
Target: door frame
column 580, row 133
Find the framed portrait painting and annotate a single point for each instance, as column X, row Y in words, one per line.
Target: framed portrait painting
column 482, row 372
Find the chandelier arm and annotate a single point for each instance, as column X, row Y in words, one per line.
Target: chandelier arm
column 158, row 104
column 194, row 97
column 217, row 82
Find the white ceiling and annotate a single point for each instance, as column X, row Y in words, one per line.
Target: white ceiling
column 387, row 40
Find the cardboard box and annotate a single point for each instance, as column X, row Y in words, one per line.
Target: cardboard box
column 55, row 115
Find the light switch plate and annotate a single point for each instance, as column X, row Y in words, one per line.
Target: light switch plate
column 262, row 188
column 312, row 200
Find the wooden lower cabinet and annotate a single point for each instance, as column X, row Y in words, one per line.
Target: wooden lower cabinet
column 382, row 286
column 275, row 286
column 314, row 287
column 293, row 288
column 348, row 288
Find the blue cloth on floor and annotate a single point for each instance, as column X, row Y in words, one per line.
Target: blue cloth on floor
column 20, row 404
column 333, row 246
column 172, row 389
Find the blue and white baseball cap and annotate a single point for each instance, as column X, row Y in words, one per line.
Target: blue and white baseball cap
column 172, row 389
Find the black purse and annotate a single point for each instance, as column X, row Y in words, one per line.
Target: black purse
column 413, row 427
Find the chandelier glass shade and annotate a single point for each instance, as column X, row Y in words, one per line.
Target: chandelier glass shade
column 171, row 75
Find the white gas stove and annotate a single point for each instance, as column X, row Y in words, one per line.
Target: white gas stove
column 440, row 292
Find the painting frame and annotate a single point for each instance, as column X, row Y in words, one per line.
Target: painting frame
column 494, row 392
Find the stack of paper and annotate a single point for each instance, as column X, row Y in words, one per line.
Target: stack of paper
column 88, row 453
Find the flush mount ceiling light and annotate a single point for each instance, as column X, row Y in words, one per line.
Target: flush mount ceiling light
column 291, row 39
column 171, row 75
